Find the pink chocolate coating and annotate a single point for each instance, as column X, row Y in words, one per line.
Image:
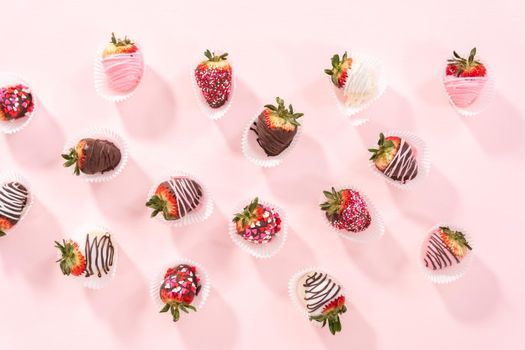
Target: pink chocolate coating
column 464, row 91
column 124, row 71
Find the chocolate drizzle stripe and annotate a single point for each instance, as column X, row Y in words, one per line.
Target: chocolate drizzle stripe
column 13, row 200
column 103, row 249
column 188, row 194
column 404, row 166
column 320, row 289
column 438, row 254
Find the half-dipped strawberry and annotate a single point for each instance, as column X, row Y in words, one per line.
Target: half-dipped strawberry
column 72, row 260
column 92, row 156
column 276, row 127
column 175, row 198
column 395, row 158
column 214, row 78
column 257, row 223
column 445, row 248
column 119, row 46
column 179, row 289
column 464, row 79
column 346, row 210
column 339, row 70
column 330, row 314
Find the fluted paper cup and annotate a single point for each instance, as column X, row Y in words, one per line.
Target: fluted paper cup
column 15, row 177
column 102, row 134
column 374, row 231
column 212, row 113
column 423, row 160
column 452, row 273
column 199, row 214
column 157, row 279
column 265, row 250
column 352, row 98
column 16, row 125
column 255, row 153
column 103, row 85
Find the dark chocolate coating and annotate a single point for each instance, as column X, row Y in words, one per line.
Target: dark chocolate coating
column 404, row 166
column 272, row 141
column 100, row 156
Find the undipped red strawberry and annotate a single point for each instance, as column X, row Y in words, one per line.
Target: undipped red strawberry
column 339, row 71
column 214, row 78
column 387, row 150
column 119, row 46
column 72, row 261
column 455, row 242
column 330, row 314
column 461, row 67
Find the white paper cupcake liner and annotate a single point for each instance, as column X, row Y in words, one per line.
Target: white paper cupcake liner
column 93, row 281
column 255, row 153
column 453, row 273
column 481, row 102
column 101, row 83
column 15, row 177
column 292, row 289
column 14, row 126
column 377, row 67
column 103, row 134
column 158, row 277
column 423, row 159
column 200, row 214
column 212, row 113
column 266, row 250
column 374, row 231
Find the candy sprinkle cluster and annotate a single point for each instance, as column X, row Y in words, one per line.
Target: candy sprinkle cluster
column 15, row 102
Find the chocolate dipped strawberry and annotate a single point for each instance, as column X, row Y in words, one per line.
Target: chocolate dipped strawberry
column 13, row 202
column 276, row 127
column 257, row 223
column 395, row 158
column 445, row 248
column 15, row 102
column 178, row 290
column 93, row 156
column 175, row 198
column 346, row 210
column 214, row 78
column 464, row 79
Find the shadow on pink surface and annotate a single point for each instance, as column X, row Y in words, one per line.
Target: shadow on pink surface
column 122, row 307
column 40, row 144
column 499, row 129
column 31, row 260
column 118, row 199
column 389, row 268
column 425, row 199
column 276, row 271
column 245, row 105
column 150, row 112
column 481, row 286
column 216, row 321
column 309, row 157
column 356, row 333
column 387, row 113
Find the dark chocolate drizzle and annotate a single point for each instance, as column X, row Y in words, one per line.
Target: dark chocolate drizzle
column 438, row 255
column 104, row 251
column 13, row 200
column 404, row 166
column 272, row 141
column 100, row 156
column 320, row 289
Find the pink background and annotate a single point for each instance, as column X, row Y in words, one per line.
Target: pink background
column 281, row 49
